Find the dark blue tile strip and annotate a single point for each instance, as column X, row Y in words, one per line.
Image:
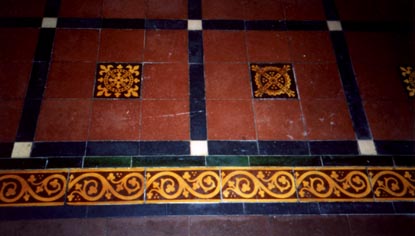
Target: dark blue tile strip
column 194, row 9
column 195, row 46
column 266, row 25
column 44, row 45
column 22, row 164
column 198, row 130
column 52, row 8
column 79, row 23
column 197, row 81
column 404, row 207
column 281, row 208
column 6, row 149
column 376, row 26
column 50, row 212
column 223, row 25
column 395, row 147
column 401, row 161
column 20, row 22
column 164, row 148
column 356, row 208
column 166, row 24
column 112, row 148
column 283, row 148
column 123, row 23
column 45, row 149
column 357, row 160
column 333, row 148
column 28, row 120
column 126, row 211
column 330, row 10
column 306, row 25
column 37, row 81
column 205, row 209
column 232, row 148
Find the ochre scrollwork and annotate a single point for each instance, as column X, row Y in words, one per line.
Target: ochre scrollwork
column 258, row 185
column 392, row 184
column 37, row 188
column 120, row 81
column 106, row 187
column 183, row 186
column 273, row 81
column 332, row 185
column 408, row 74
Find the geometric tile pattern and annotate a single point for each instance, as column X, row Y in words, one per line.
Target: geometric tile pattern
column 204, row 185
column 408, row 74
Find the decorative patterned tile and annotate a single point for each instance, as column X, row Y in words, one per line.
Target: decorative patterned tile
column 105, row 186
column 333, row 184
column 408, row 74
column 258, row 185
column 182, row 185
column 273, row 81
column 118, row 80
column 27, row 188
column 393, row 184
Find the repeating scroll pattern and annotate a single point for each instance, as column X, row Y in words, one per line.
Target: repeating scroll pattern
column 332, row 184
column 183, row 185
column 258, row 185
column 408, row 74
column 393, row 184
column 102, row 187
column 33, row 188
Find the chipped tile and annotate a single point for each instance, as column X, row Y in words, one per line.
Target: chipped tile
column 393, row 184
column 22, row 149
column 408, row 74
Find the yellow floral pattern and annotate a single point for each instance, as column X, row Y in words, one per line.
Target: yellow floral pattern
column 408, row 74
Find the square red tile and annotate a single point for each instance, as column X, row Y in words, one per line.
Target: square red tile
column 81, row 8
column 327, row 119
column 70, row 80
column 268, row 46
column 63, row 120
column 279, row 120
column 320, row 80
column 121, row 45
column 303, row 9
column 14, row 79
column 221, row 46
column 219, row 9
column 391, row 120
column 9, row 119
column 166, row 9
column 230, row 120
column 29, row 8
column 115, row 120
column 311, row 47
column 227, row 81
column 264, row 10
column 124, row 9
column 166, row 81
column 17, row 44
column 166, row 46
column 165, row 120
column 75, row 45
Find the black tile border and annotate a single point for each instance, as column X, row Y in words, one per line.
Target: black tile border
column 266, row 25
column 6, row 149
column 84, row 23
column 232, row 147
column 26, row 22
column 333, row 148
column 170, row 161
column 164, row 148
column 45, row 149
column 357, row 160
column 283, row 148
column 64, row 162
column 388, row 147
column 223, row 24
column 108, row 148
column 356, row 208
column 166, row 24
column 194, row 9
column 22, row 164
column 307, row 25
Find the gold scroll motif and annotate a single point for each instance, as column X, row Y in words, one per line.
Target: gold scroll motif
column 393, row 184
column 408, row 74
column 121, row 81
column 333, row 185
column 110, row 186
column 192, row 185
column 258, row 185
column 41, row 188
column 273, row 81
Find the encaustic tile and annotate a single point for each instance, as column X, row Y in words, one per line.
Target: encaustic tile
column 397, row 184
column 408, row 74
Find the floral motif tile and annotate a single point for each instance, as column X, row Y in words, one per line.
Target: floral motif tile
column 118, row 80
column 408, row 74
column 273, row 81
column 398, row 184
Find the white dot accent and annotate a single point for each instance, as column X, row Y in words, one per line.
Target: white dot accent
column 367, row 147
column 334, row 25
column 21, row 149
column 49, row 22
column 194, row 25
column 198, row 148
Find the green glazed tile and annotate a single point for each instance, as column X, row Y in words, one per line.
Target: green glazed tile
column 227, row 161
column 93, row 162
column 284, row 161
column 160, row 161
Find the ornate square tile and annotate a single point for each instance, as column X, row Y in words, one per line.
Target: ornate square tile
column 118, row 80
column 408, row 74
column 273, row 81
column 396, row 184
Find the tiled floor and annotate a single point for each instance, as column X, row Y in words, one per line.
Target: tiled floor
column 244, row 107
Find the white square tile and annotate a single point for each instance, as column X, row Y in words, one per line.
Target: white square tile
column 194, row 24
column 334, row 25
column 49, row 22
column 21, row 149
column 198, row 148
column 367, row 147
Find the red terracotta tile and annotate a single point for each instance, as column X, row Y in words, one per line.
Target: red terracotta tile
column 219, row 9
column 70, row 80
column 166, row 81
column 318, row 81
column 17, row 44
column 14, row 79
column 124, row 9
column 63, row 120
column 115, row 120
column 166, row 46
column 227, row 81
column 279, row 120
column 166, row 9
column 75, row 45
column 121, row 45
column 327, row 120
column 391, row 120
column 303, row 10
column 264, row 10
column 81, row 8
column 268, row 46
column 165, row 120
column 311, row 47
column 224, row 46
column 9, row 119
column 24, row 8
column 230, row 120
